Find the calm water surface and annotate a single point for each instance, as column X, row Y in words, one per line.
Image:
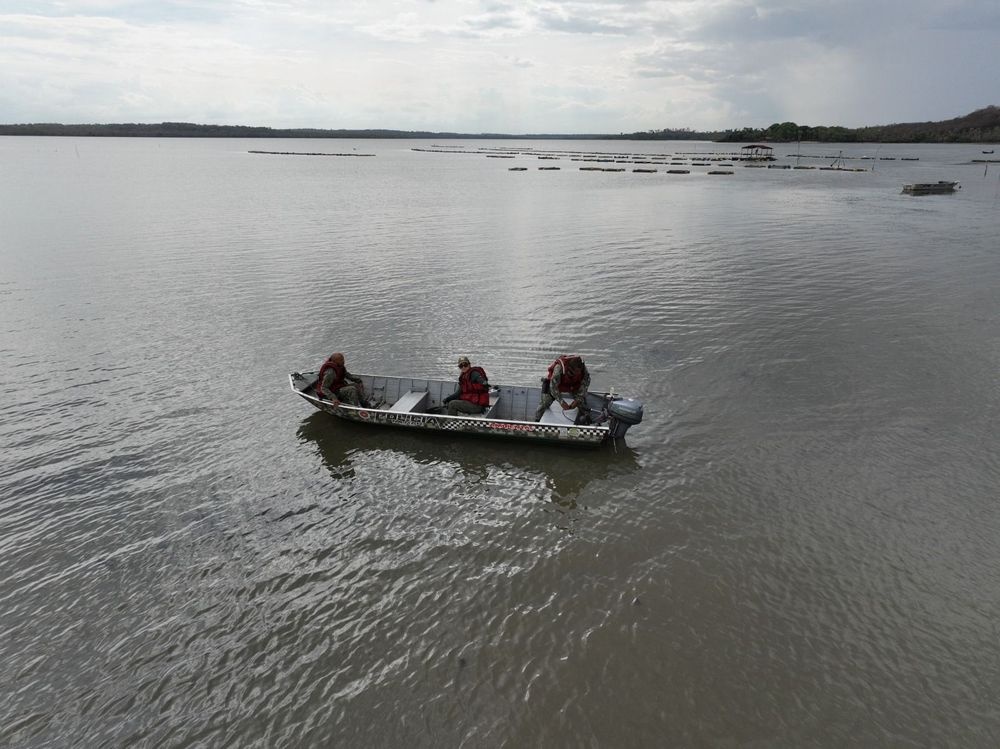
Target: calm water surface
column 800, row 546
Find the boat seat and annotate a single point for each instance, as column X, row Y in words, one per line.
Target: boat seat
column 411, row 401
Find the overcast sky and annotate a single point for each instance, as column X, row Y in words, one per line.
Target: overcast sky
column 578, row 66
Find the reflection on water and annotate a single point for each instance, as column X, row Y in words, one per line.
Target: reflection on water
column 564, row 471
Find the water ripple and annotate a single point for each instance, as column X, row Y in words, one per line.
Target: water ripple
column 803, row 528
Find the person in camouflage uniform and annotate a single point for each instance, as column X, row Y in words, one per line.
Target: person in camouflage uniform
column 567, row 374
column 337, row 384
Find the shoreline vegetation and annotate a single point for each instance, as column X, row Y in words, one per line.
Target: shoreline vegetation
column 981, row 126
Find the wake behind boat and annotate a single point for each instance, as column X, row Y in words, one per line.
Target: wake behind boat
column 410, row 402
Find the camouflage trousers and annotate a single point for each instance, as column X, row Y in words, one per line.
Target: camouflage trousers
column 351, row 394
column 543, row 406
column 458, row 407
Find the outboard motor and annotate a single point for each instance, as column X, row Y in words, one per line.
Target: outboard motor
column 624, row 413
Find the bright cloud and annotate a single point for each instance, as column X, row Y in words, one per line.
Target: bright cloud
column 522, row 67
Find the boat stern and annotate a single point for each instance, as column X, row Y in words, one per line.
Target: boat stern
column 624, row 413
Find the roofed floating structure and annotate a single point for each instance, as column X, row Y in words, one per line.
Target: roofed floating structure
column 757, row 152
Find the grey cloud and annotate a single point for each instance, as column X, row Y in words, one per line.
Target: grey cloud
column 844, row 24
column 711, row 64
column 966, row 16
column 579, row 24
column 497, row 16
column 758, row 22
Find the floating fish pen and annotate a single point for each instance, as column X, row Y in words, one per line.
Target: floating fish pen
column 931, row 188
column 308, row 153
column 548, row 169
column 609, row 161
column 832, row 157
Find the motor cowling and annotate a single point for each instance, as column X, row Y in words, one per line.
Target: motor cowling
column 624, row 412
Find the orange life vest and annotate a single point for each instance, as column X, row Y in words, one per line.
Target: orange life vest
column 474, row 392
column 340, row 373
column 570, row 381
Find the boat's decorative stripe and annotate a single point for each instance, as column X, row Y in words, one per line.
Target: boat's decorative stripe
column 530, row 430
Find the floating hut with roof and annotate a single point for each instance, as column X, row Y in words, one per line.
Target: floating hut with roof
column 756, row 152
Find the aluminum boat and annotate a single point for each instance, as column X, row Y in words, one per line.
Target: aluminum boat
column 416, row 402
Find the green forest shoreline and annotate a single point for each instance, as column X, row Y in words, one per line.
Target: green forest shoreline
column 981, row 126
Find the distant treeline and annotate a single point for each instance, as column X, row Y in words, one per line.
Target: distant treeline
column 981, row 126
column 670, row 134
column 191, row 130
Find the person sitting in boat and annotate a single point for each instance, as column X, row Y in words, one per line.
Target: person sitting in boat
column 473, row 394
column 337, row 384
column 569, row 375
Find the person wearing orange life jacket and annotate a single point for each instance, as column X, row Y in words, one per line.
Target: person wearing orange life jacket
column 337, row 384
column 473, row 394
column 567, row 375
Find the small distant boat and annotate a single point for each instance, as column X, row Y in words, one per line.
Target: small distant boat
column 930, row 188
column 413, row 402
column 990, row 151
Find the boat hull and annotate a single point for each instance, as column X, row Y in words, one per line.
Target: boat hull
column 931, row 188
